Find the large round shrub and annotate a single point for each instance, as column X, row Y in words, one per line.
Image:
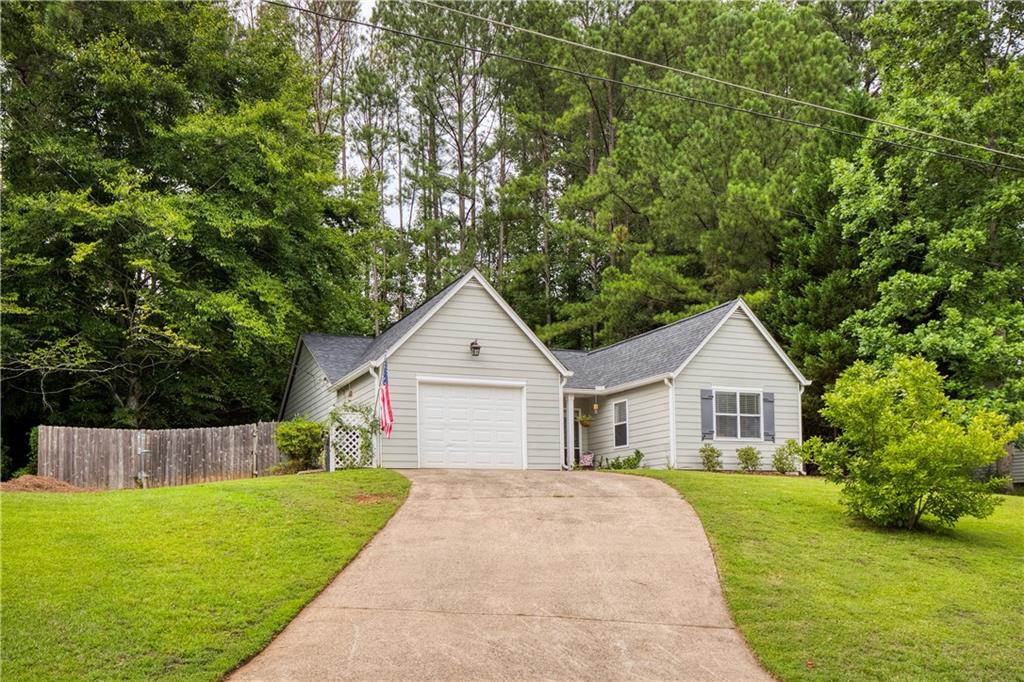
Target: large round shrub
column 906, row 450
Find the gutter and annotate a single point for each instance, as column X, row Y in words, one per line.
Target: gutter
column 610, row 390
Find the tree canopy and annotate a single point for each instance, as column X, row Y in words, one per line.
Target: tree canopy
column 189, row 186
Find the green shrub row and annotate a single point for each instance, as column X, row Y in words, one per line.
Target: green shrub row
column 784, row 460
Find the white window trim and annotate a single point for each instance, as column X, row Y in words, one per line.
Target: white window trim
column 615, row 423
column 715, row 390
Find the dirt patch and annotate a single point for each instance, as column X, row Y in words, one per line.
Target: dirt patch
column 364, row 498
column 39, row 484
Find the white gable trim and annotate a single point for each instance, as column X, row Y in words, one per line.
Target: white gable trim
column 473, row 274
column 291, row 376
column 741, row 305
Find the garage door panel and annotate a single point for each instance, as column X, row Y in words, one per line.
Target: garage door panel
column 470, row 426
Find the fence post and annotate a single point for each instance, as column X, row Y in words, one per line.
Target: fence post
column 140, row 438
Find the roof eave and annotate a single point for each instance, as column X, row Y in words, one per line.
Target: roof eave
column 619, row 388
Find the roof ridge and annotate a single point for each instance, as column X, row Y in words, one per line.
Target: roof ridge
column 337, row 336
column 662, row 327
column 422, row 303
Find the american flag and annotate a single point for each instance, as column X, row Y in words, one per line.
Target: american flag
column 387, row 419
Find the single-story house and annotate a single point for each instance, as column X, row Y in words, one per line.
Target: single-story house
column 472, row 386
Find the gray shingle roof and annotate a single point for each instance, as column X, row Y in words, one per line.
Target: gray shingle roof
column 339, row 355
column 659, row 351
column 336, row 355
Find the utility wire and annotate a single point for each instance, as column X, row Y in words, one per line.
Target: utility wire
column 647, row 88
column 719, row 81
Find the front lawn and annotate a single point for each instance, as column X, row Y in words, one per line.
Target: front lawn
column 819, row 595
column 174, row 583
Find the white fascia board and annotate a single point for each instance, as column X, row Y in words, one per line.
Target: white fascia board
column 474, row 273
column 291, row 377
column 353, row 375
column 706, row 339
column 775, row 346
column 741, row 305
column 619, row 388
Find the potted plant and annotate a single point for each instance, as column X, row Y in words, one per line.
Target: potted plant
column 585, row 420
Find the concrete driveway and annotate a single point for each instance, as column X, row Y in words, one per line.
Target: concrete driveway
column 487, row 575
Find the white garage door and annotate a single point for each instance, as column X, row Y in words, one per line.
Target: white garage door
column 465, row 426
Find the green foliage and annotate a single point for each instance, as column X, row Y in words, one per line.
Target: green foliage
column 786, row 457
column 626, row 462
column 301, row 441
column 749, row 458
column 710, row 457
column 171, row 221
column 906, row 450
column 146, row 583
column 940, row 239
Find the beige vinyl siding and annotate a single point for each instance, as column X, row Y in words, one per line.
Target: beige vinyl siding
column 441, row 348
column 362, row 391
column 737, row 356
column 648, row 425
column 309, row 394
column 1017, row 466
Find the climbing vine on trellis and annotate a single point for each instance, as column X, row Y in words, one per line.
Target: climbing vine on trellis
column 353, row 433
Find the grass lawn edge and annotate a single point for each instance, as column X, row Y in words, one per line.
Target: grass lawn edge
column 274, row 635
column 715, row 555
column 178, row 582
column 820, row 595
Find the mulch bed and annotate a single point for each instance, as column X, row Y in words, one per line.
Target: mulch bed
column 39, row 484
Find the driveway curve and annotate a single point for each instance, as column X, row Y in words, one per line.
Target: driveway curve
column 487, row 575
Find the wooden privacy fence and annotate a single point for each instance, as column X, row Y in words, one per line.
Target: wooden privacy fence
column 127, row 458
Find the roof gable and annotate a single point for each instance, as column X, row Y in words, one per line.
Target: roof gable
column 376, row 353
column 344, row 358
column 660, row 353
column 657, row 353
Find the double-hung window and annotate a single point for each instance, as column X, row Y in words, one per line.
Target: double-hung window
column 738, row 414
column 620, row 418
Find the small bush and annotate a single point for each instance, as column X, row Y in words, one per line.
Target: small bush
column 631, row 462
column 301, row 441
column 786, row 457
column 710, row 457
column 749, row 457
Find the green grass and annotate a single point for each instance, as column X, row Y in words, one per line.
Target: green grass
column 174, row 583
column 820, row 596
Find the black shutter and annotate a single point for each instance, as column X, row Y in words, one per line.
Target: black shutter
column 768, row 400
column 707, row 414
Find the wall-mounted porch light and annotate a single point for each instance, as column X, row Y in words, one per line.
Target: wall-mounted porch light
column 474, row 348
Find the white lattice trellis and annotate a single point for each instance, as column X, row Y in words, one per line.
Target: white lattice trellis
column 347, row 443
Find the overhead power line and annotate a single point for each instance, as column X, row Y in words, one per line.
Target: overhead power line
column 650, row 89
column 720, row 81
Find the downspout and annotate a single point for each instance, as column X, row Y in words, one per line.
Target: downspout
column 800, row 423
column 376, row 402
column 671, row 422
column 562, row 453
